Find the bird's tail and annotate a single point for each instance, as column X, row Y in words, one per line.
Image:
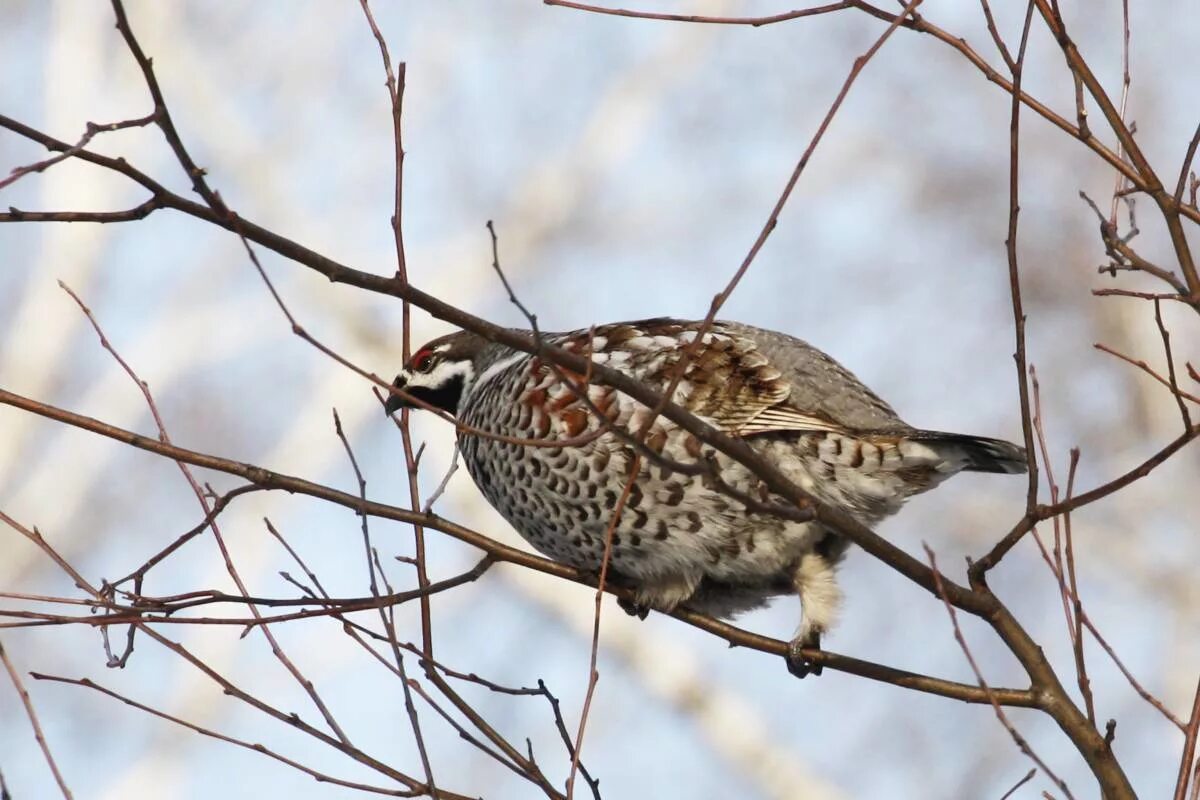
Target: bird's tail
column 977, row 453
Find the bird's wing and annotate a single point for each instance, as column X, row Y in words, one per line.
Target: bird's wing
column 819, row 386
column 727, row 380
column 730, row 382
column 782, row 418
column 743, row 380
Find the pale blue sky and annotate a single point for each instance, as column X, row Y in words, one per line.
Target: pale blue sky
column 628, row 166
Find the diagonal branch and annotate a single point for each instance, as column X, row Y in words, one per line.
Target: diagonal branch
column 1018, row 739
column 23, row 693
column 1150, row 182
column 269, row 480
column 256, row 747
column 161, row 115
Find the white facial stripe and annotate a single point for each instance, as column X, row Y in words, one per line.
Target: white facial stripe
column 494, row 370
column 440, row 375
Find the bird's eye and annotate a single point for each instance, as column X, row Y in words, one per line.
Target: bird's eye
column 423, row 361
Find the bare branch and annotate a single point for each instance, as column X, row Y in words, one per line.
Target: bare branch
column 1166, row 203
column 1028, row 777
column 1189, row 747
column 385, row 617
column 1017, row 738
column 269, row 480
column 1014, row 275
column 753, row 21
column 162, row 116
column 92, row 130
column 256, row 747
column 593, row 674
column 1168, row 382
column 23, row 693
column 1126, row 80
column 1184, row 170
column 1085, row 687
column 202, row 498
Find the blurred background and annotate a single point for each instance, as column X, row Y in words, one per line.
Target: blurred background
column 628, row 166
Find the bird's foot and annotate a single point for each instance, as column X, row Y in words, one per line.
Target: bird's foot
column 633, row 608
column 663, row 594
column 797, row 663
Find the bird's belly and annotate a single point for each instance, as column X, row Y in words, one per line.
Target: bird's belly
column 564, row 501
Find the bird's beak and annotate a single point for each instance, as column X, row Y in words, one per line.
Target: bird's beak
column 395, row 402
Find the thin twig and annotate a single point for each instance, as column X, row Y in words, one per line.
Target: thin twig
column 256, row 747
column 270, row 480
column 1043, row 512
column 1085, row 686
column 35, row 536
column 1083, row 618
column 1170, row 210
column 1172, row 381
column 1125, row 258
column 465, row 734
column 1014, row 274
column 1058, row 570
column 1000, row 45
column 1028, row 777
column 395, row 82
column 90, row 133
column 1168, row 382
column 1080, row 110
column 593, row 674
column 153, row 610
column 1017, row 738
column 291, row 719
column 689, row 351
column 23, row 693
column 1125, row 83
column 1186, row 168
column 752, row 21
column 218, row 506
column 440, row 489
column 207, row 508
column 1189, row 747
column 162, row 116
column 385, row 612
column 1139, row 295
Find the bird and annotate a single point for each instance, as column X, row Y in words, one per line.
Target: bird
column 557, row 454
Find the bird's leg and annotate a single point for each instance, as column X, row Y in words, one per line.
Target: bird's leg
column 631, row 606
column 820, row 600
column 662, row 593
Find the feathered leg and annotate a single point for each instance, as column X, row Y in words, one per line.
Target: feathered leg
column 820, row 601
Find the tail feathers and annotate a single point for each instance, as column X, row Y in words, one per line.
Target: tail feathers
column 978, row 453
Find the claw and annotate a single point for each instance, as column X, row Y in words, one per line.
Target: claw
column 797, row 663
column 633, row 609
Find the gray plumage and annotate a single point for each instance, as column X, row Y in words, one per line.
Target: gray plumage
column 821, row 384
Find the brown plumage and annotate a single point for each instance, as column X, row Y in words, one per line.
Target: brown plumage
column 680, row 540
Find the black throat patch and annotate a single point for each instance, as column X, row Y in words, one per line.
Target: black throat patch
column 445, row 397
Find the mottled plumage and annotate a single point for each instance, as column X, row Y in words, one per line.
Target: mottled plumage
column 680, row 540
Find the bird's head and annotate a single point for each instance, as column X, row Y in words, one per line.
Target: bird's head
column 440, row 373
